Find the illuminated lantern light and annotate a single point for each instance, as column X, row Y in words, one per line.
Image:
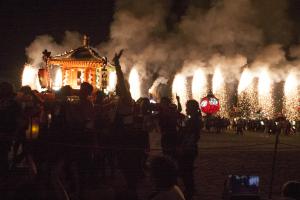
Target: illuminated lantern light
column 33, row 130
column 43, row 77
column 210, row 104
column 104, row 77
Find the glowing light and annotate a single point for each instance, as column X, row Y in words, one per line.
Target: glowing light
column 179, row 87
column 291, row 97
column 29, row 76
column 265, row 94
column 58, row 80
column 245, row 81
column 90, row 77
column 218, row 80
column 112, row 81
column 199, row 85
column 66, row 77
column 134, row 83
column 81, row 76
column 291, row 85
column 219, row 90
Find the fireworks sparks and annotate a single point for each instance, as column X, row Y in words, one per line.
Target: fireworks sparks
column 218, row 81
column 134, row 83
column 265, row 98
column 199, row 85
column 29, row 77
column 245, row 80
column 291, row 97
column 179, row 87
column 219, row 89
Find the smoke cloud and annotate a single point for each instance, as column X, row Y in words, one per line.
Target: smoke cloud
column 42, row 42
column 215, row 33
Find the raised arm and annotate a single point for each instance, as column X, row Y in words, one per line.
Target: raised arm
column 179, row 107
column 122, row 90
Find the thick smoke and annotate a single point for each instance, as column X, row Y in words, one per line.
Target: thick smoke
column 42, row 42
column 228, row 33
column 225, row 33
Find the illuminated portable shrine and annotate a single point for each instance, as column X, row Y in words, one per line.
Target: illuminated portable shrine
column 74, row 67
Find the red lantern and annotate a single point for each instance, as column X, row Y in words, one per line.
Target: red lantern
column 43, row 77
column 210, row 104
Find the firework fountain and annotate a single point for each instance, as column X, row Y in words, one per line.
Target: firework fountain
column 199, row 84
column 265, row 93
column 291, row 97
column 219, row 90
column 134, row 82
column 30, row 77
column 179, row 88
column 247, row 97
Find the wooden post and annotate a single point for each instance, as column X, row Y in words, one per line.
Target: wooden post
column 274, row 164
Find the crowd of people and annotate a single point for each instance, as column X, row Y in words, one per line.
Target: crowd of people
column 217, row 124
column 73, row 139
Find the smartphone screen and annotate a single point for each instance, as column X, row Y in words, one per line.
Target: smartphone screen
column 244, row 184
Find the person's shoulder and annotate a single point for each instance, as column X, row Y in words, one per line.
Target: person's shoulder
column 174, row 193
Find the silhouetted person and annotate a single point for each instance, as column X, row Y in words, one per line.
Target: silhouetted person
column 10, row 114
column 188, row 146
column 129, row 155
column 168, row 122
column 164, row 174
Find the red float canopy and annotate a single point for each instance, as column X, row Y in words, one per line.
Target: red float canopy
column 210, row 104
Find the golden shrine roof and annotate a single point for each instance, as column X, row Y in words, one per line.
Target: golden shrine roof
column 83, row 53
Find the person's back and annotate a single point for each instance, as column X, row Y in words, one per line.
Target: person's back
column 173, row 193
column 164, row 175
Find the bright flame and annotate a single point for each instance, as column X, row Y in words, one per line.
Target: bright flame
column 291, row 85
column 29, row 76
column 218, row 80
column 291, row 97
column 199, row 85
column 58, row 80
column 265, row 93
column 219, row 89
column 179, row 87
column 134, row 83
column 245, row 81
column 112, row 81
column 248, row 101
column 264, row 83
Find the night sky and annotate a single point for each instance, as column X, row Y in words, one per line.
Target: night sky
column 21, row 21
